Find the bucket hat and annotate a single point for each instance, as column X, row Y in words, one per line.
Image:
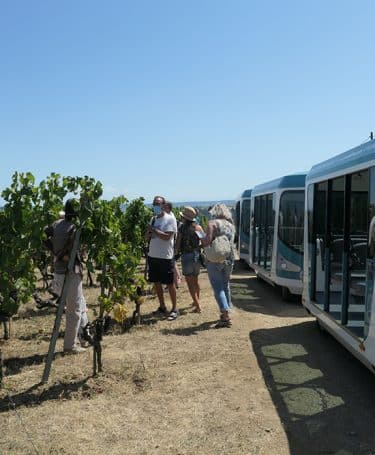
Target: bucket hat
column 189, row 213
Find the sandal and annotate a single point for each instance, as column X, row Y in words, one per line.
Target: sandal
column 173, row 315
column 223, row 323
column 160, row 310
column 196, row 308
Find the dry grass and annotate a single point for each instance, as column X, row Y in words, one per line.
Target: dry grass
column 168, row 387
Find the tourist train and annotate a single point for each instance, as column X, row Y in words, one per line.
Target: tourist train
column 314, row 234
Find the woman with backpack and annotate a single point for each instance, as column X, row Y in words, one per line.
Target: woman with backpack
column 187, row 244
column 219, row 249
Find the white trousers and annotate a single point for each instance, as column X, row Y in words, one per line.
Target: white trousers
column 75, row 311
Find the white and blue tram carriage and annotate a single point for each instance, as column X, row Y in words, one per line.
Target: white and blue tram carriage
column 339, row 260
column 276, row 232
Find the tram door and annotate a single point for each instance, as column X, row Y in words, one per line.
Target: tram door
column 320, row 241
column 370, row 262
column 245, row 227
column 340, row 242
column 263, row 227
column 359, row 227
column 336, row 245
column 270, row 222
column 256, row 230
column 262, row 231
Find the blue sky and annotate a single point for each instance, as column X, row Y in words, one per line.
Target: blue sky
column 193, row 100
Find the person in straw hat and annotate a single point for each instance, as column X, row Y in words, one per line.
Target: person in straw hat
column 188, row 244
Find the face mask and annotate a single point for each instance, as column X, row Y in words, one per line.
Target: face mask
column 157, row 209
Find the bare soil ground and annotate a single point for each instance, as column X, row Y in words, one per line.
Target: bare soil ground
column 178, row 387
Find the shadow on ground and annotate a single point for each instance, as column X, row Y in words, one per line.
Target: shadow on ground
column 15, row 365
column 187, row 331
column 324, row 396
column 256, row 296
column 38, row 394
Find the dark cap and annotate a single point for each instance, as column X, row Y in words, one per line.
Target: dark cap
column 71, row 207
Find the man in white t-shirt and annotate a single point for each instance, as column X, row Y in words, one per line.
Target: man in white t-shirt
column 167, row 207
column 161, row 233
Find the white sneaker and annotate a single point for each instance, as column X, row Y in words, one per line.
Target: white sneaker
column 173, row 315
column 84, row 344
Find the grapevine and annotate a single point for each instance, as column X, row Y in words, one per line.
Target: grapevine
column 112, row 239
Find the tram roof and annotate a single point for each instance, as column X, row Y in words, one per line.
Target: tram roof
column 246, row 193
column 287, row 181
column 353, row 158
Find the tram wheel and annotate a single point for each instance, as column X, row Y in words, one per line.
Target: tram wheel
column 285, row 294
column 320, row 327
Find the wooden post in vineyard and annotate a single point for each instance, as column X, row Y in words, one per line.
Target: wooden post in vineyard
column 1, row 369
column 60, row 310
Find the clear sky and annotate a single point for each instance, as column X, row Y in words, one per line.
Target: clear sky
column 194, row 100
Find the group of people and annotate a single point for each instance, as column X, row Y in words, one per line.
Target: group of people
column 169, row 240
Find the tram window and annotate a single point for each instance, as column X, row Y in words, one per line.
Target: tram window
column 238, row 208
column 371, row 241
column 319, row 238
column 245, row 217
column 270, row 221
column 359, row 198
column 359, row 218
column 310, row 218
column 291, row 219
column 311, row 242
column 336, row 236
column 320, row 206
column 337, row 207
column 257, row 211
column 256, row 229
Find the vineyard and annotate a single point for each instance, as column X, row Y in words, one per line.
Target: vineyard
column 164, row 389
column 181, row 387
column 110, row 238
column 153, row 372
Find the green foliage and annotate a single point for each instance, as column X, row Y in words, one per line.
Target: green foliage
column 134, row 222
column 112, row 240
column 16, row 242
column 176, row 211
column 203, row 221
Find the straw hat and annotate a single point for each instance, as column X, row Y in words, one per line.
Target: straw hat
column 189, row 214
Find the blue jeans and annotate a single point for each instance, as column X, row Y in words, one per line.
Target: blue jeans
column 219, row 276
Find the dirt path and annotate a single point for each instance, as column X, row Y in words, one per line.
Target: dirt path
column 180, row 387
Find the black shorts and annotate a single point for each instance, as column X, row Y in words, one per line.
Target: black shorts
column 160, row 270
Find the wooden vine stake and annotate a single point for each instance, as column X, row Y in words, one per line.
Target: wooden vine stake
column 1, row 369
column 60, row 309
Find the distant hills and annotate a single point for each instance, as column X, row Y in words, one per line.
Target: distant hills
column 228, row 202
column 203, row 204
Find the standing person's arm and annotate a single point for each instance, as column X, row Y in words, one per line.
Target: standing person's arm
column 178, row 243
column 210, row 232
column 148, row 232
column 170, row 230
column 162, row 235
